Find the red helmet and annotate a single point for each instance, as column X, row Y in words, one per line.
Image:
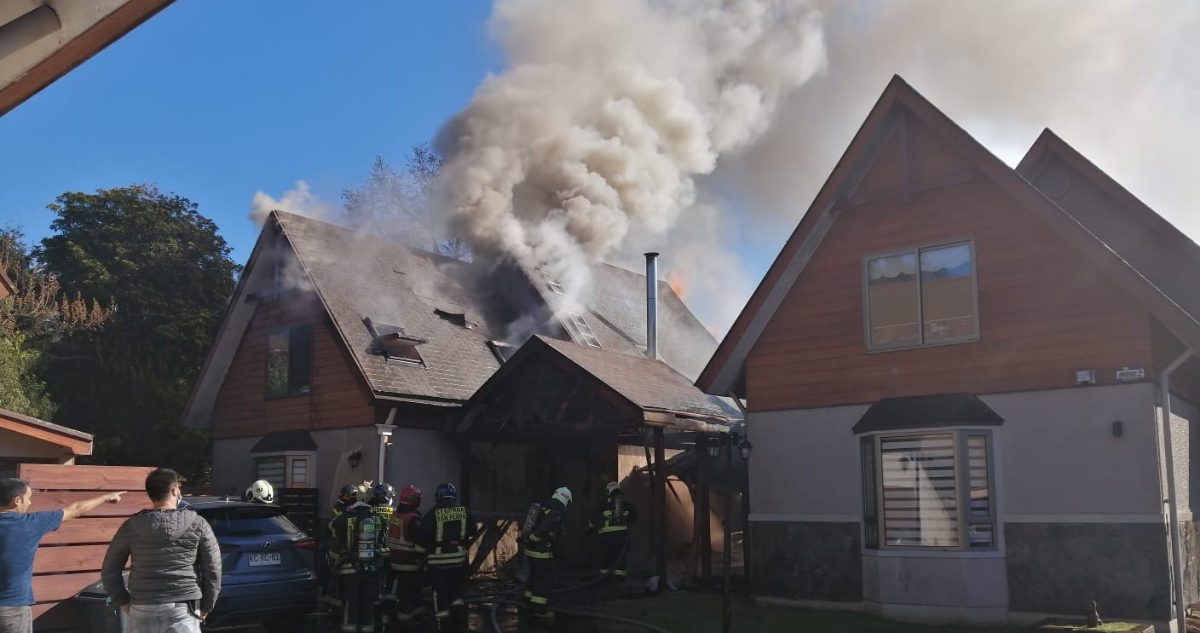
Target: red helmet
column 410, row 496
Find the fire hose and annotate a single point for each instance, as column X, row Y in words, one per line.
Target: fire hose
column 569, row 588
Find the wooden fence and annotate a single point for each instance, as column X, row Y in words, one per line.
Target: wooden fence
column 69, row 559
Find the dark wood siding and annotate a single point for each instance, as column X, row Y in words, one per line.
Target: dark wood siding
column 1044, row 312
column 338, row 398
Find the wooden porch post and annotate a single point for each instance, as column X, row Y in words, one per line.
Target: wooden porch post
column 660, row 503
column 703, row 512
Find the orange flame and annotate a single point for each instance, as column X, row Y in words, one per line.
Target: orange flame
column 676, row 281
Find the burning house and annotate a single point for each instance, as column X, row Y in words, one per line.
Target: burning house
column 344, row 358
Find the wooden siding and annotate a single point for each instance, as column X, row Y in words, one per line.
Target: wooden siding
column 338, row 398
column 1044, row 312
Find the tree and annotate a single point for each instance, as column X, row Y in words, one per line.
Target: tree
column 169, row 275
column 33, row 314
column 401, row 204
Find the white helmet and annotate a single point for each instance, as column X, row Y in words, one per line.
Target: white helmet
column 261, row 491
column 563, row 495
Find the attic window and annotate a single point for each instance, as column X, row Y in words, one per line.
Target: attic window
column 391, row 342
column 503, row 351
column 457, row 318
column 584, row 331
column 552, row 284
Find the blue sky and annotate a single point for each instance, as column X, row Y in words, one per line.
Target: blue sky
column 216, row 99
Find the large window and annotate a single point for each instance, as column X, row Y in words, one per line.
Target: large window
column 289, row 362
column 285, row 471
column 921, row 296
column 929, row 490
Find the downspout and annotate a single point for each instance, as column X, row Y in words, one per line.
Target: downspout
column 652, row 305
column 385, row 435
column 1172, row 499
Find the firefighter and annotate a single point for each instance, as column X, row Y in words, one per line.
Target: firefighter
column 327, row 563
column 354, row 541
column 611, row 526
column 539, row 548
column 380, row 501
column 407, row 556
column 446, row 536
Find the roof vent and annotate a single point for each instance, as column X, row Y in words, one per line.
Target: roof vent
column 457, row 318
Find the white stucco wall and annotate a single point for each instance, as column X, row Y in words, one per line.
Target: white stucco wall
column 1060, row 456
column 805, row 465
column 423, row 458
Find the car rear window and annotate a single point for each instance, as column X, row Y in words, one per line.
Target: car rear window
column 249, row 521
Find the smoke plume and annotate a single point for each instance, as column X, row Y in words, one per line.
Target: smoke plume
column 1115, row 78
column 607, row 113
column 299, row 200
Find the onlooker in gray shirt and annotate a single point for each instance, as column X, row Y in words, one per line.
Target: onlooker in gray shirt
column 176, row 572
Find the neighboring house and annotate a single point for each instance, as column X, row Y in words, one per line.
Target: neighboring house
column 953, row 374
column 26, row 440
column 42, row 40
column 332, row 334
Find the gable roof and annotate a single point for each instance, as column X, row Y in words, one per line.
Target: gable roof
column 358, row 276
column 649, row 385
column 78, row 442
column 46, row 40
column 1167, row 257
column 723, row 374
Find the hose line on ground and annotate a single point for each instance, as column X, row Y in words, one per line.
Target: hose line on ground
column 570, row 588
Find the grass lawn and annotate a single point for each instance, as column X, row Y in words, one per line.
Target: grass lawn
column 701, row 613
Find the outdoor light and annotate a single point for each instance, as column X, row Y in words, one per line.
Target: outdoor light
column 746, row 448
column 714, row 447
column 355, row 459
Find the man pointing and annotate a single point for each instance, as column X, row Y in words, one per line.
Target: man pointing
column 20, row 533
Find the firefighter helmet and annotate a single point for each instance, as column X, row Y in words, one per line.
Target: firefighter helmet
column 382, row 494
column 410, row 496
column 349, row 494
column 563, row 496
column 446, row 492
column 261, row 491
column 612, row 488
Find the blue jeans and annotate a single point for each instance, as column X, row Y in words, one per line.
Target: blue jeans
column 16, row 620
column 174, row 617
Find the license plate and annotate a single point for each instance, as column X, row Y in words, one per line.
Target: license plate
column 270, row 558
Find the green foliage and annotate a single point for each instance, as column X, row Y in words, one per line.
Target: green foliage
column 169, row 275
column 21, row 389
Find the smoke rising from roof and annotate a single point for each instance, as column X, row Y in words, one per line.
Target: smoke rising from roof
column 608, row 111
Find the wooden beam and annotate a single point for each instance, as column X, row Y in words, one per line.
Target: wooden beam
column 660, row 492
column 129, row 504
column 83, row 531
column 703, row 512
column 62, row 477
column 50, row 560
column 73, row 444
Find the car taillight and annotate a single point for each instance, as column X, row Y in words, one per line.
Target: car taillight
column 305, row 544
column 230, row 548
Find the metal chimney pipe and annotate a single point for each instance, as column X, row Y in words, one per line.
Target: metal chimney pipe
column 652, row 305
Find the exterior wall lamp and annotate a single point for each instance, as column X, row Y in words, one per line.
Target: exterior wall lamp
column 355, row 459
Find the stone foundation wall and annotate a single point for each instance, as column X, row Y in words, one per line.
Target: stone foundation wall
column 1189, row 532
column 1058, row 568
column 807, row 561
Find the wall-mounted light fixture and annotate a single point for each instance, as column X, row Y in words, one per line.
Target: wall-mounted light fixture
column 1118, row 428
column 355, row 459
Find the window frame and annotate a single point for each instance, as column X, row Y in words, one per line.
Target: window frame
column 916, row 251
column 288, row 393
column 289, row 458
column 962, row 492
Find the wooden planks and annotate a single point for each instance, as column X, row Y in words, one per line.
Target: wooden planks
column 338, row 396
column 85, row 530
column 135, row 501
column 1044, row 312
column 58, row 477
column 57, row 587
column 70, row 558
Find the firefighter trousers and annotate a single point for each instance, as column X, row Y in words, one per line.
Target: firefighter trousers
column 404, row 587
column 541, row 581
column 449, row 583
column 612, row 546
column 360, row 591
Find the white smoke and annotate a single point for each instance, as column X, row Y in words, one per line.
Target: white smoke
column 1115, row 78
column 607, row 112
column 299, row 200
